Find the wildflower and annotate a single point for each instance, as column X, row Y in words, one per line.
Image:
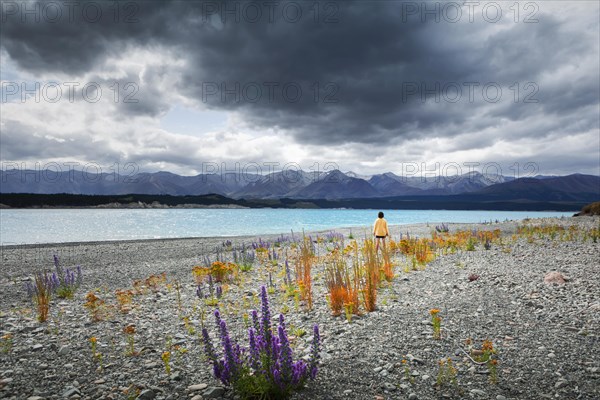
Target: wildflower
column 266, row 369
column 285, row 352
column 254, row 349
column 166, row 356
column 314, row 352
column 266, row 318
column 255, row 321
column 488, row 346
column 129, row 330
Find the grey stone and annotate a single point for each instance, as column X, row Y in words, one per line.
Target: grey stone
column 213, row 392
column 389, row 387
column 413, row 396
column 500, row 397
column 176, row 376
column 195, row 388
column 36, row 347
column 64, row 350
column 70, row 391
column 147, row 394
column 560, row 384
column 478, row 392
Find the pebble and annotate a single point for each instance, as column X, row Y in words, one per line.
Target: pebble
column 389, row 387
column 195, row 388
column 413, row 396
column 560, row 384
column 425, row 377
column 348, row 391
column 213, row 392
column 478, row 392
column 147, row 394
column 551, row 355
column 196, row 397
column 70, row 391
column 500, row 397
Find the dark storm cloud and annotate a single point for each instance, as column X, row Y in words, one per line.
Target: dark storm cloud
column 372, row 62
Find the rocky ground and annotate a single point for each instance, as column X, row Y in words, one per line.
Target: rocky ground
column 547, row 336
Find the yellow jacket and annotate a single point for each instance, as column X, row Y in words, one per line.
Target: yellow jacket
column 380, row 228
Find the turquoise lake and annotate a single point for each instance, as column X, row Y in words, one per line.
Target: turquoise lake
column 26, row 226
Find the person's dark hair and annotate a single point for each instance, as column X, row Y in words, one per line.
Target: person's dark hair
column 380, row 215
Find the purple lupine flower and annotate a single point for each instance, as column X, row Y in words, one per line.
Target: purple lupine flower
column 218, row 318
column 314, row 352
column 285, row 355
column 230, row 365
column 282, row 321
column 254, row 350
column 255, row 321
column 277, row 376
column 266, row 319
column 199, row 293
column 55, row 282
column 219, row 291
column 298, row 372
column 275, row 349
column 55, row 261
column 211, row 354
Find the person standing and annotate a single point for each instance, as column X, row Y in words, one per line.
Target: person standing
column 380, row 230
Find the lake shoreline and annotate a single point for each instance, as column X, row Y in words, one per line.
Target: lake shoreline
column 36, row 227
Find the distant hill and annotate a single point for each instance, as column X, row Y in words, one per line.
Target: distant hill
column 336, row 185
column 302, row 185
column 576, row 187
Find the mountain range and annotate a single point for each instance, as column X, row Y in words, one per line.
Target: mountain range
column 297, row 184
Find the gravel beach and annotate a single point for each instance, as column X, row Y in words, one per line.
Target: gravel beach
column 546, row 335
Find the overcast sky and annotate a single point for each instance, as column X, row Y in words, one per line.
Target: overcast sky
column 366, row 86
